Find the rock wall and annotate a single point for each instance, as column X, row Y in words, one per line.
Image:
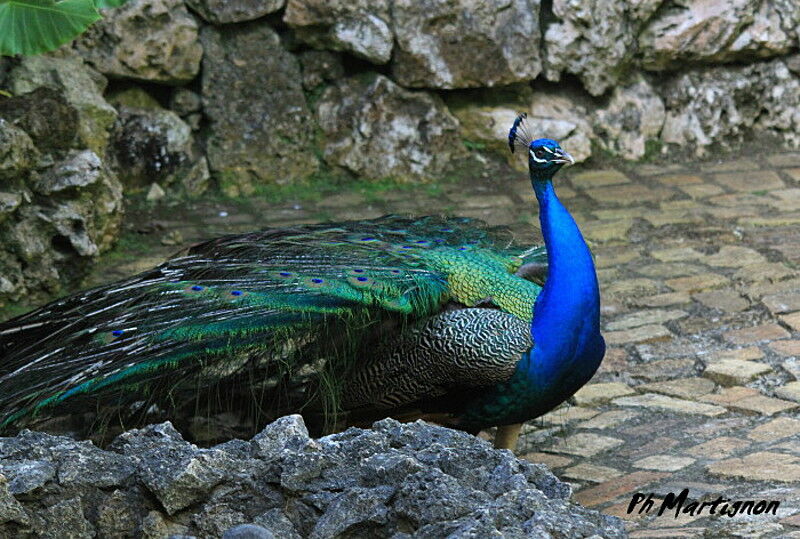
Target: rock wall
column 245, row 93
column 394, row 480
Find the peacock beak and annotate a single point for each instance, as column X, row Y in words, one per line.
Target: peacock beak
column 563, row 158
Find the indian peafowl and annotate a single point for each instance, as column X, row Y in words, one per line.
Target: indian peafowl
column 346, row 321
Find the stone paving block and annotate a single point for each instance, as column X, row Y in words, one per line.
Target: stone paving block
column 742, row 354
column 607, row 258
column 791, row 194
column 759, row 404
column 782, row 303
column 738, row 201
column 584, row 444
column 672, row 218
column 765, row 271
column 728, row 214
column 789, row 159
column 662, row 402
column 632, row 287
column 765, row 288
column 607, row 231
column 760, row 466
column 791, row 391
column 663, row 300
column 757, row 180
column 684, row 388
column 786, row 348
column 642, row 334
column 764, row 332
column 727, row 301
column 730, row 395
column 651, row 446
column 627, row 195
column 697, row 283
column 663, row 463
column 598, row 178
column 594, row 394
column 675, row 180
column 645, row 317
column 792, row 320
column 701, row 190
column 567, row 414
column 595, row 473
column 608, row 419
column 786, row 219
column 776, row 429
column 734, row 256
column 664, row 369
column 676, row 254
column 731, row 372
column 605, row 492
column 548, row 459
column 721, row 447
column 614, row 361
column 620, row 213
column 669, row 269
column 728, row 165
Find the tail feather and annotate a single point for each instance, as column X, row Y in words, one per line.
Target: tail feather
column 277, row 299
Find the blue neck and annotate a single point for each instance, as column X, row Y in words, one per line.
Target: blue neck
column 566, row 322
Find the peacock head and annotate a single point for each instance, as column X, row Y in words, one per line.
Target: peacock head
column 545, row 156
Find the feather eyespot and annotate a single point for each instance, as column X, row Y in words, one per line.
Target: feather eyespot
column 197, row 288
column 317, row 281
column 362, row 279
column 117, row 332
column 358, row 270
column 236, row 292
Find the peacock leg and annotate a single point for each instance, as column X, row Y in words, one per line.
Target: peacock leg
column 507, row 436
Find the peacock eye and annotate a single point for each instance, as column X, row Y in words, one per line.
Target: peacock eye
column 539, row 152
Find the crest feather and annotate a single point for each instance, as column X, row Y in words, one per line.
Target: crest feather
column 519, row 136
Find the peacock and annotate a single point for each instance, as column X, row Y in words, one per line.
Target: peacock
column 440, row 318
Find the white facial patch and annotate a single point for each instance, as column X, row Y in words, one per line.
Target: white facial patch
column 533, row 156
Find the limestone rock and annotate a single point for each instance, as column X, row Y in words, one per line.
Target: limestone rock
column 377, row 130
column 48, row 239
column 150, row 40
column 320, row 67
column 391, row 480
column 722, row 104
column 156, row 146
column 360, row 27
column 590, row 39
column 485, row 116
column 82, row 89
column 560, row 115
column 696, row 30
column 465, row 43
column 17, row 153
column 634, row 115
column 268, row 140
column 225, row 11
column 45, row 115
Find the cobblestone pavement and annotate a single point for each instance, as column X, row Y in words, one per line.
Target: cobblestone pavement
column 700, row 388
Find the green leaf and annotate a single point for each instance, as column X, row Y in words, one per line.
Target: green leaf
column 105, row 4
column 36, row 26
